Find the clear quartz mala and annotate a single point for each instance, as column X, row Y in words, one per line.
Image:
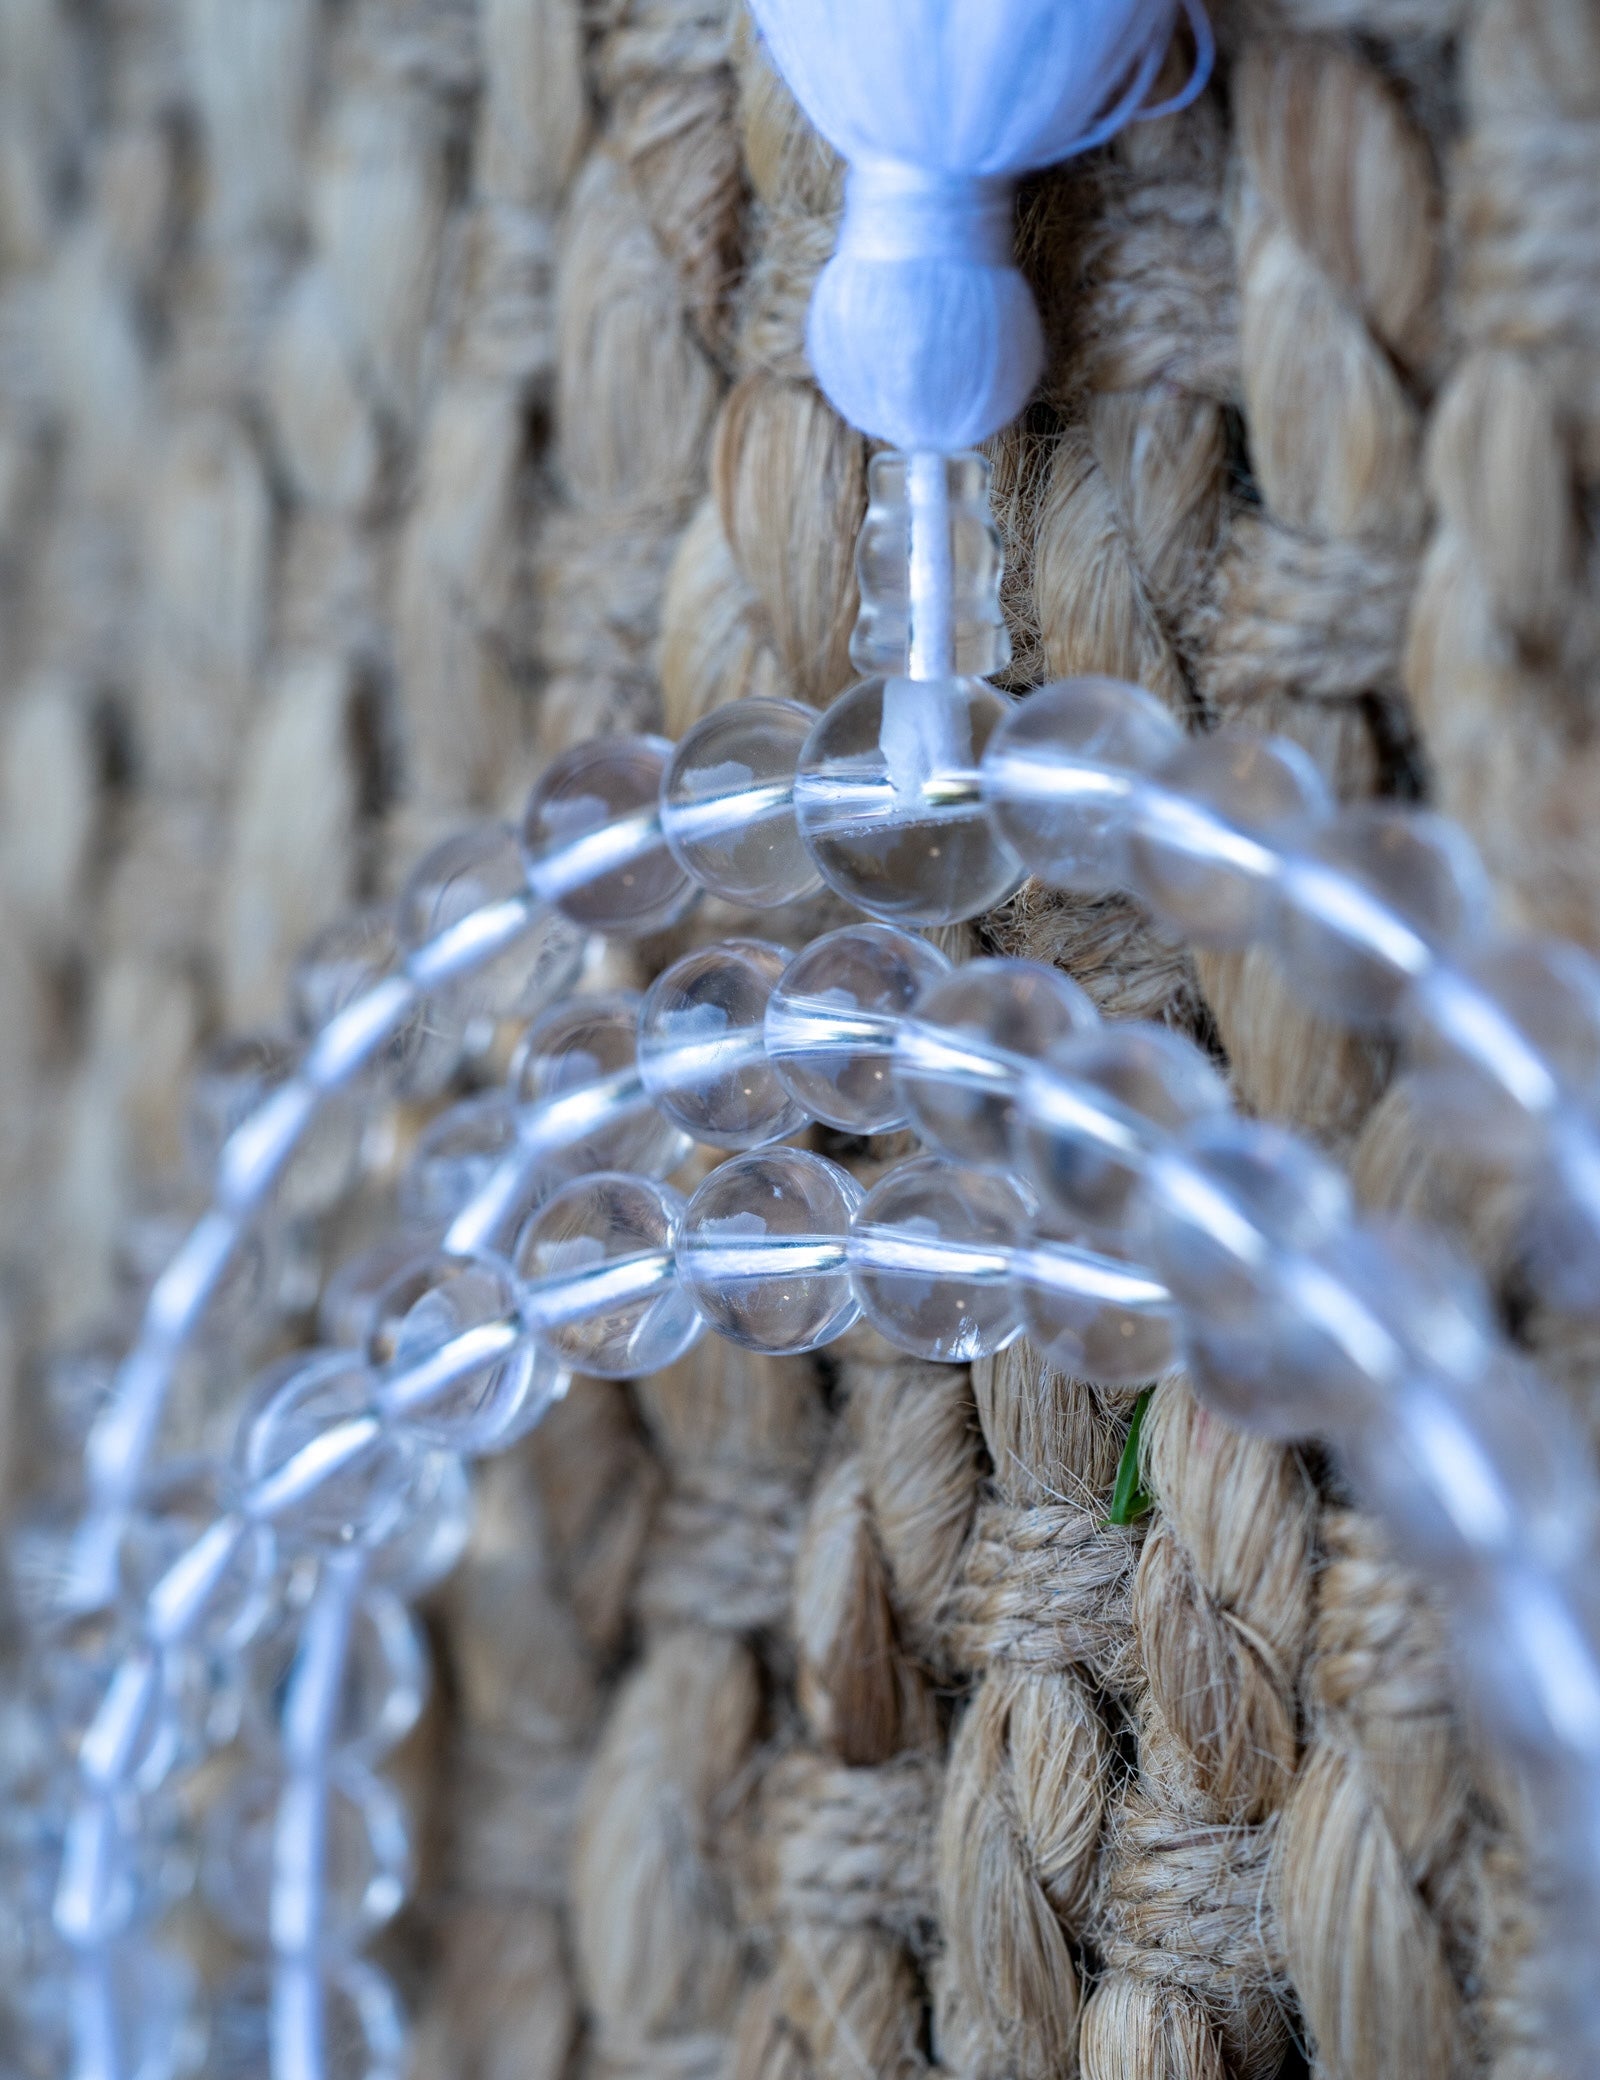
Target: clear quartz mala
column 1085, row 1184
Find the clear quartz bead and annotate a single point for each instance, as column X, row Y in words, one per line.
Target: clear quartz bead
column 961, row 1051
column 366, row 1867
column 727, row 807
column 966, row 545
column 1203, row 846
column 357, row 2023
column 931, row 1259
column 701, row 1051
column 343, row 962
column 1062, row 773
column 887, row 797
column 455, row 1361
column 591, row 838
column 1232, row 1220
column 344, row 1312
column 431, row 1534
column 316, row 1461
column 601, row 1287
column 239, row 1075
column 383, row 1681
column 1096, row 1316
column 145, row 2018
column 762, row 1251
column 472, row 871
column 1094, row 1111
column 189, row 1565
column 456, row 1155
column 1376, row 896
column 577, row 1067
column 832, row 1022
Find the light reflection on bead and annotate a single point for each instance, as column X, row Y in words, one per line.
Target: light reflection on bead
column 359, row 2023
column 930, row 1258
column 1095, row 1316
column 592, row 843
column 1201, row 849
column 316, row 1461
column 431, row 1534
column 464, row 873
column 203, row 1573
column 600, row 1285
column 455, row 1156
column 583, row 1053
column 832, row 1021
column 1061, row 774
column 888, row 802
column 726, row 803
column 1095, row 1108
column 382, row 1686
column 961, row 1051
column 701, row 1051
column 762, row 1250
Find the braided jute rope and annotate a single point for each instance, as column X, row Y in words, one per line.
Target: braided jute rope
column 394, row 394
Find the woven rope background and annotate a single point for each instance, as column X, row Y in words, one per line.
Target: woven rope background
column 392, row 394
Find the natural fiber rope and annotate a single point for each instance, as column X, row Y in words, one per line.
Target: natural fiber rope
column 799, row 1720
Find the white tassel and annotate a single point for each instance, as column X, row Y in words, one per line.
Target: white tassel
column 922, row 332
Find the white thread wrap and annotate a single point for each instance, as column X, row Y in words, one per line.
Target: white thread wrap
column 922, row 332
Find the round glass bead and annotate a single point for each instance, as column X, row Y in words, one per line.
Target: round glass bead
column 888, row 803
column 316, row 1461
column 702, row 1056
column 1232, row 1220
column 762, row 1250
column 455, row 1361
column 1098, row 1317
column 1092, row 1112
column 591, row 838
column 584, row 1052
column 1203, row 845
column 1366, row 908
column 1062, row 771
column 213, row 1574
column 383, row 1679
column 833, row 1018
column 1499, row 1041
column 456, row 1155
column 600, row 1285
column 961, row 1051
column 366, row 1868
column 150, row 2013
column 727, row 808
column 344, row 1312
column 930, row 1259
column 345, row 960
column 359, row 2028
column 238, row 1075
column 432, row 1531
column 468, row 872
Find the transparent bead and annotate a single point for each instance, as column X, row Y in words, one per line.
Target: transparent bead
column 591, row 837
column 834, row 1016
column 316, row 1460
column 1232, row 1220
column 930, row 1258
column 1377, row 894
column 146, row 2011
column 888, row 803
column 1098, row 1317
column 456, row 1363
column 601, row 1287
column 584, row 1053
column 1496, row 1042
column 968, row 546
column 1561, row 1237
column 701, row 1052
column 961, row 1051
column 367, row 1852
column 423, row 1546
column 212, row 1574
column 471, row 871
column 383, row 1681
column 345, row 960
column 456, row 1155
column 123, row 1861
column 762, row 1250
column 1478, row 1472
column 1062, row 772
column 234, row 1079
column 358, row 2024
column 30, row 1869
column 1097, row 1107
column 1203, row 847
column 727, row 808
column 130, row 1713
